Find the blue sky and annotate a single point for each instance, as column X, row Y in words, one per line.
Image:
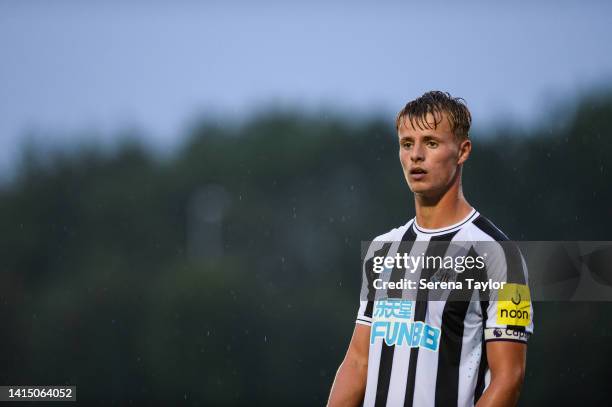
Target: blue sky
column 74, row 70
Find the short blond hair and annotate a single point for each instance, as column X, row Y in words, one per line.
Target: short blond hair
column 435, row 103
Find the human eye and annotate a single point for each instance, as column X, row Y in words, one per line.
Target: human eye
column 432, row 144
column 406, row 143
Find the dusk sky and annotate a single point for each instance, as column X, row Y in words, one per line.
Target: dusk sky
column 72, row 70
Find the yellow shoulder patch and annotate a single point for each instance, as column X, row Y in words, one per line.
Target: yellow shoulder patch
column 514, row 305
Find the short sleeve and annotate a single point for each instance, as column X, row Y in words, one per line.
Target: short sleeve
column 508, row 311
column 368, row 293
column 364, row 314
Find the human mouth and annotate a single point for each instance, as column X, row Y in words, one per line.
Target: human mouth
column 417, row 173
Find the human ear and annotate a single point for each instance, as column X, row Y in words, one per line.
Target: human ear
column 465, row 148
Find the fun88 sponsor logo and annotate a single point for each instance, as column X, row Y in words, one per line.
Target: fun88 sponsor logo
column 393, row 323
column 413, row 334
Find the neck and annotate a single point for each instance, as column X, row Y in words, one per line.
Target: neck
column 443, row 210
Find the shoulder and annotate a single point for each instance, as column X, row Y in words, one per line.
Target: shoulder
column 384, row 241
column 503, row 252
column 483, row 229
column 394, row 234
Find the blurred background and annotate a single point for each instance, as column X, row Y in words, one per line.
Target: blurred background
column 184, row 186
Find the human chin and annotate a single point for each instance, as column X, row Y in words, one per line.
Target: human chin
column 417, row 186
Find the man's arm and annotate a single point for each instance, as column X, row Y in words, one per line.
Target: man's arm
column 507, row 363
column 350, row 382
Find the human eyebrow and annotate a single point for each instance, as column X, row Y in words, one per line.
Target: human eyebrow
column 430, row 137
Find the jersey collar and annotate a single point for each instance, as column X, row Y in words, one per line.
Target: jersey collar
column 471, row 216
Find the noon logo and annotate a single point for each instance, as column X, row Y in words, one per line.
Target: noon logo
column 514, row 305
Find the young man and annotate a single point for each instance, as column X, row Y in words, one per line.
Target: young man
column 479, row 356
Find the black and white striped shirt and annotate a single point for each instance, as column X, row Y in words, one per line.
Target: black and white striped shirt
column 447, row 366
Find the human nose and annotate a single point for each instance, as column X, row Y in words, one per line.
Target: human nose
column 417, row 152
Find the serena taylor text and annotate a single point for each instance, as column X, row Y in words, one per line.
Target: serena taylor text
column 405, row 284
